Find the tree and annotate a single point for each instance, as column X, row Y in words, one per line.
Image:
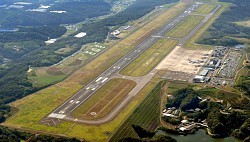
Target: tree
column 143, row 133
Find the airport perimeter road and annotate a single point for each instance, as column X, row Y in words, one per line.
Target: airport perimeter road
column 64, row 111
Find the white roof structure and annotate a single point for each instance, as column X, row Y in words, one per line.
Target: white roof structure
column 81, row 34
column 199, row 77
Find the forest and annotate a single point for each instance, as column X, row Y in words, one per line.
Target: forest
column 11, row 135
column 234, row 123
column 76, row 11
column 223, row 31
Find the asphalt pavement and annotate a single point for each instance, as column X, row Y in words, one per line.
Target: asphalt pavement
column 64, row 111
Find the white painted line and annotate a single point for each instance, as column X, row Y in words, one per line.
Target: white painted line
column 60, row 116
column 98, row 79
column 53, row 115
column 105, row 79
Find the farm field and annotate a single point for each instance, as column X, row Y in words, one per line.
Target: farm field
column 205, row 9
column 144, row 63
column 147, row 115
column 105, row 99
column 34, row 107
column 184, row 27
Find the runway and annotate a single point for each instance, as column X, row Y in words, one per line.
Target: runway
column 64, row 111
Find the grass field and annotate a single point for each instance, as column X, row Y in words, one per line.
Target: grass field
column 243, row 73
column 185, row 26
column 44, row 76
column 144, row 63
column 202, row 32
column 235, row 99
column 38, row 105
column 34, row 107
column 205, row 9
column 105, row 99
column 114, row 52
column 147, row 115
column 176, row 85
column 243, row 23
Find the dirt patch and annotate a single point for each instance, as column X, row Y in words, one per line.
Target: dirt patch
column 183, row 60
column 54, row 71
column 76, row 62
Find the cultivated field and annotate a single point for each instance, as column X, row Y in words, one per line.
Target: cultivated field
column 147, row 115
column 180, row 60
column 205, row 9
column 185, row 26
column 105, row 99
column 144, row 63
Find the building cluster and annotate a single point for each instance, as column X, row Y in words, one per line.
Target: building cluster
column 171, row 112
column 211, row 65
column 117, row 32
column 187, row 125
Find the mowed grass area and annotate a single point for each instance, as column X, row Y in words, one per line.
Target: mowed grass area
column 34, row 107
column 40, row 104
column 115, row 51
column 147, row 115
column 205, row 9
column 144, row 63
column 191, row 44
column 44, row 76
column 105, row 99
column 185, row 26
column 176, row 85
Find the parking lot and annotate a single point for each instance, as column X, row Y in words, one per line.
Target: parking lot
column 230, row 65
column 222, row 81
column 179, row 76
column 183, row 60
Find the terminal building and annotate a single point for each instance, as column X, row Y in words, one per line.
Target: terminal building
column 199, row 79
column 214, row 63
column 204, row 72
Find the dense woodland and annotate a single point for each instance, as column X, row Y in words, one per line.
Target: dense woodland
column 223, row 30
column 146, row 136
column 75, row 12
column 9, row 135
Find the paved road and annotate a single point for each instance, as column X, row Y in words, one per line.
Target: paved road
column 64, row 111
